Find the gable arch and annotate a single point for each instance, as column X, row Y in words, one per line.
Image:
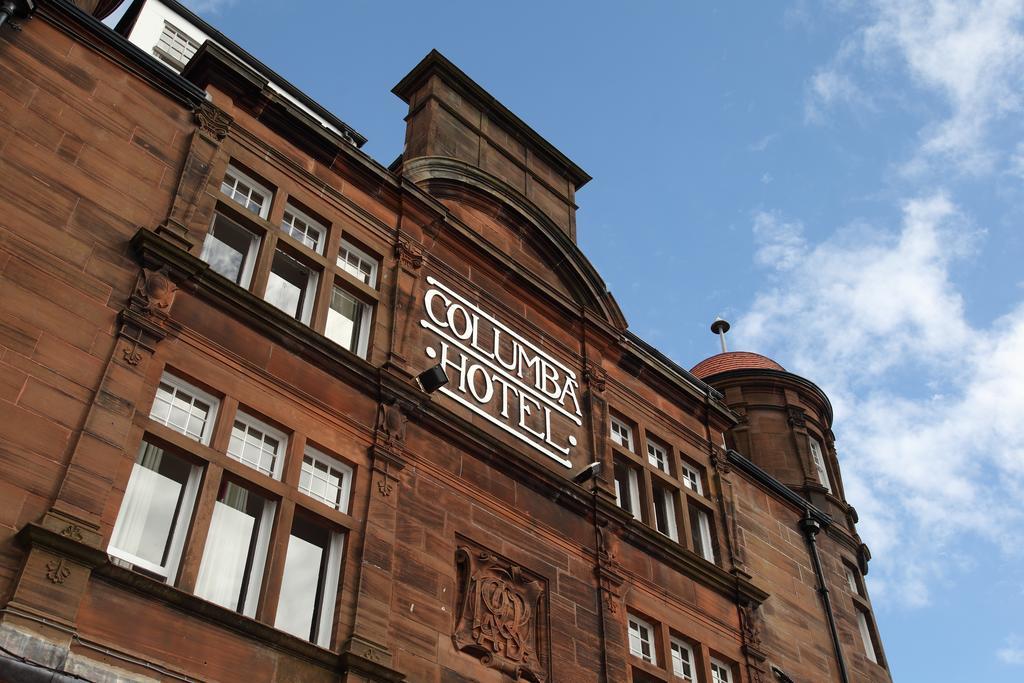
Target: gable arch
column 445, row 177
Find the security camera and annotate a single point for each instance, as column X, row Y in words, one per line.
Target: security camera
column 588, row 472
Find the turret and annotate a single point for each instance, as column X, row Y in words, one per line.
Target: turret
column 785, row 422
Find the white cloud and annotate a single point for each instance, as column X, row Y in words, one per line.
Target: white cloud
column 782, row 243
column 969, row 54
column 859, row 314
column 762, row 144
column 829, row 87
column 1012, row 651
column 209, row 6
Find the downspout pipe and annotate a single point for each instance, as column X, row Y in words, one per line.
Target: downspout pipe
column 811, row 526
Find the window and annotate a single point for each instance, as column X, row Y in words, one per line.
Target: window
column 641, row 640
column 154, row 517
column 358, row 263
column 720, row 672
column 692, row 478
column 184, row 408
column 236, row 548
column 700, row 529
column 231, row 250
column 866, row 635
column 325, row 479
column 665, row 512
column 291, row 286
column 160, row 521
column 257, row 445
column 246, row 192
column 348, row 322
column 622, row 434
column 627, row 489
column 819, row 463
column 851, row 580
column 175, row 47
column 683, row 661
column 303, row 228
column 657, row 455
column 309, row 585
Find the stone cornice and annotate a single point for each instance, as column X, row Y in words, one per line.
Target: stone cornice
column 778, row 488
column 93, row 34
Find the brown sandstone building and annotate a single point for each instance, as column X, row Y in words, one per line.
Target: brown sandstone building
column 223, row 452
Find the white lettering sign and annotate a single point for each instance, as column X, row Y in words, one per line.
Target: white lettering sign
column 501, row 376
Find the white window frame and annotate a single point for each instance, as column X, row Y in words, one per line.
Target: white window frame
column 678, row 646
column 330, row 593
column 311, row 225
column 637, row 628
column 720, row 671
column 260, row 551
column 819, row 463
column 354, row 271
column 865, row 635
column 177, row 539
column 241, row 176
column 308, row 296
column 634, row 492
column 692, row 478
column 196, row 393
column 330, row 596
column 282, row 439
column 657, row 455
column 707, row 546
column 249, row 264
column 332, row 463
column 851, row 579
column 667, row 500
column 169, row 56
column 362, row 342
column 622, row 433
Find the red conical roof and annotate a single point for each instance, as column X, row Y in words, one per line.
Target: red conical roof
column 733, row 360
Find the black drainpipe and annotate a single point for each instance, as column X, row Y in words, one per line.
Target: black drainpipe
column 810, row 526
column 15, row 8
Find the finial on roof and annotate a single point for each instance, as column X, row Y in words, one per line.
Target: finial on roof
column 720, row 327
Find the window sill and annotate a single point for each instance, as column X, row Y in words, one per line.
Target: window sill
column 651, row 670
column 198, row 608
column 683, row 559
column 254, row 311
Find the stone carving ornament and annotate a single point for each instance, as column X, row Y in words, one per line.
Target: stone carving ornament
column 499, row 615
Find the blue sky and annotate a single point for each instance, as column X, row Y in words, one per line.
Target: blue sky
column 842, row 180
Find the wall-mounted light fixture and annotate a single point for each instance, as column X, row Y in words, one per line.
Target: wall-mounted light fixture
column 432, row 379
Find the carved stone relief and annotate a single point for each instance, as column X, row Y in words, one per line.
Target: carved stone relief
column 212, row 121
column 501, row 614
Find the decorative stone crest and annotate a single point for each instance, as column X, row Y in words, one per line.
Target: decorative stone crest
column 797, row 417
column 720, row 461
column 391, row 424
column 501, row 615
column 596, row 376
column 57, row 571
column 154, row 292
column 73, row 531
column 213, row 122
column 750, row 623
column 384, row 487
column 409, row 253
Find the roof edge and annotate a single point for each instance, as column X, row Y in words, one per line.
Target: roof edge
column 250, row 61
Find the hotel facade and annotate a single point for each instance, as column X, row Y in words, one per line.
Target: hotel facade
column 227, row 449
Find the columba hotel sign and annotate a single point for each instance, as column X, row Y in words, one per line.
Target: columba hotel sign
column 502, row 376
